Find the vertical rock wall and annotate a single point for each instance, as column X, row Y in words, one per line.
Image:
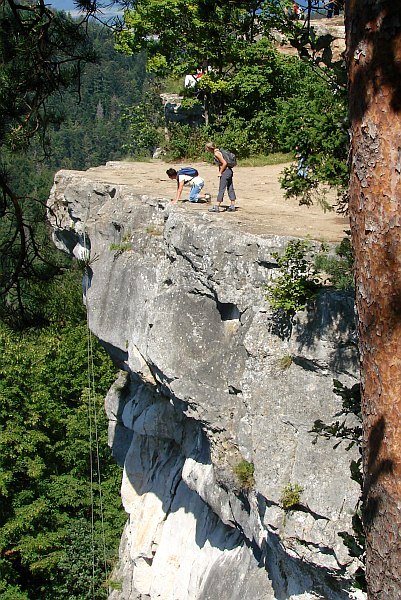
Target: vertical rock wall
column 178, row 300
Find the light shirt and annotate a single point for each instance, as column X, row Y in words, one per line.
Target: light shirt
column 190, row 181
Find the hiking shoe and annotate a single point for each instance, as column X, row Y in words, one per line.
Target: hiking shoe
column 214, row 209
column 208, row 197
column 231, row 208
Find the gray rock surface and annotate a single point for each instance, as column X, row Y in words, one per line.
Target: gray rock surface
column 178, row 300
column 174, row 112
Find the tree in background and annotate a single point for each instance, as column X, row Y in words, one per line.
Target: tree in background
column 48, row 547
column 374, row 59
column 92, row 131
column 256, row 100
column 41, row 56
column 58, row 109
column 181, row 35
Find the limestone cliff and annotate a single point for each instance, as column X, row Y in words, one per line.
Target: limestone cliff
column 177, row 298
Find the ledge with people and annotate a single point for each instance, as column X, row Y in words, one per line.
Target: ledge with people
column 188, row 177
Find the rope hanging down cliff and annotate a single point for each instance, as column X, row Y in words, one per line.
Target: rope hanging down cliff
column 93, row 434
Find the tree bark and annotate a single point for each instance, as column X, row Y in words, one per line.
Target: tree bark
column 373, row 30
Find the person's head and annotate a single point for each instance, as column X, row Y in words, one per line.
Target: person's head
column 210, row 147
column 172, row 173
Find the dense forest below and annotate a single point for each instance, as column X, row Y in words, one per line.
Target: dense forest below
column 59, row 533
column 57, row 540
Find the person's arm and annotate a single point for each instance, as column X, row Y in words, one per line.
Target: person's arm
column 180, row 187
column 222, row 163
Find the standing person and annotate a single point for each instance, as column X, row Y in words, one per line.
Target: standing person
column 188, row 176
column 226, row 161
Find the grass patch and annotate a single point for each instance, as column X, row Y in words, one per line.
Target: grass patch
column 139, row 158
column 123, row 247
column 259, row 160
column 172, row 85
column 262, row 160
column 154, row 230
column 284, row 362
column 298, row 280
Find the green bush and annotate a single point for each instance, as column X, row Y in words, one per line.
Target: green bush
column 297, row 282
column 244, row 471
column 291, row 496
column 186, row 141
column 338, row 268
column 305, row 189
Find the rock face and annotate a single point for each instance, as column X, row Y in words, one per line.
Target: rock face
column 174, row 112
column 178, row 300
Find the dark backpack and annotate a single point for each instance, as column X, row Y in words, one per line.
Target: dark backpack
column 229, row 157
column 188, row 171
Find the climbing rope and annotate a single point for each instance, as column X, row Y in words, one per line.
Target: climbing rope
column 93, row 440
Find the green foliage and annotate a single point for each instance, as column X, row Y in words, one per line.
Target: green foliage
column 305, row 189
column 261, row 160
column 22, row 302
column 338, row 268
column 45, row 494
column 145, row 136
column 355, row 543
column 313, row 124
column 291, row 496
column 122, row 247
column 144, row 120
column 93, row 131
column 297, row 281
column 41, row 54
column 178, row 35
column 348, row 427
column 186, row 141
column 344, row 429
column 244, row 471
column 80, row 135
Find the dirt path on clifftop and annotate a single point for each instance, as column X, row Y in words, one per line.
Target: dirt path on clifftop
column 262, row 208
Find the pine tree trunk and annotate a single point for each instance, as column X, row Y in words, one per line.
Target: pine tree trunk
column 373, row 31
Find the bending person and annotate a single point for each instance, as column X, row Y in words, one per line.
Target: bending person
column 221, row 158
column 188, row 176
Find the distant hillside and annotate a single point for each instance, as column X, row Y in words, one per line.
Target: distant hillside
column 91, row 131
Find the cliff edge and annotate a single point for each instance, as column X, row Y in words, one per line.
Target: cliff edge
column 177, row 297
